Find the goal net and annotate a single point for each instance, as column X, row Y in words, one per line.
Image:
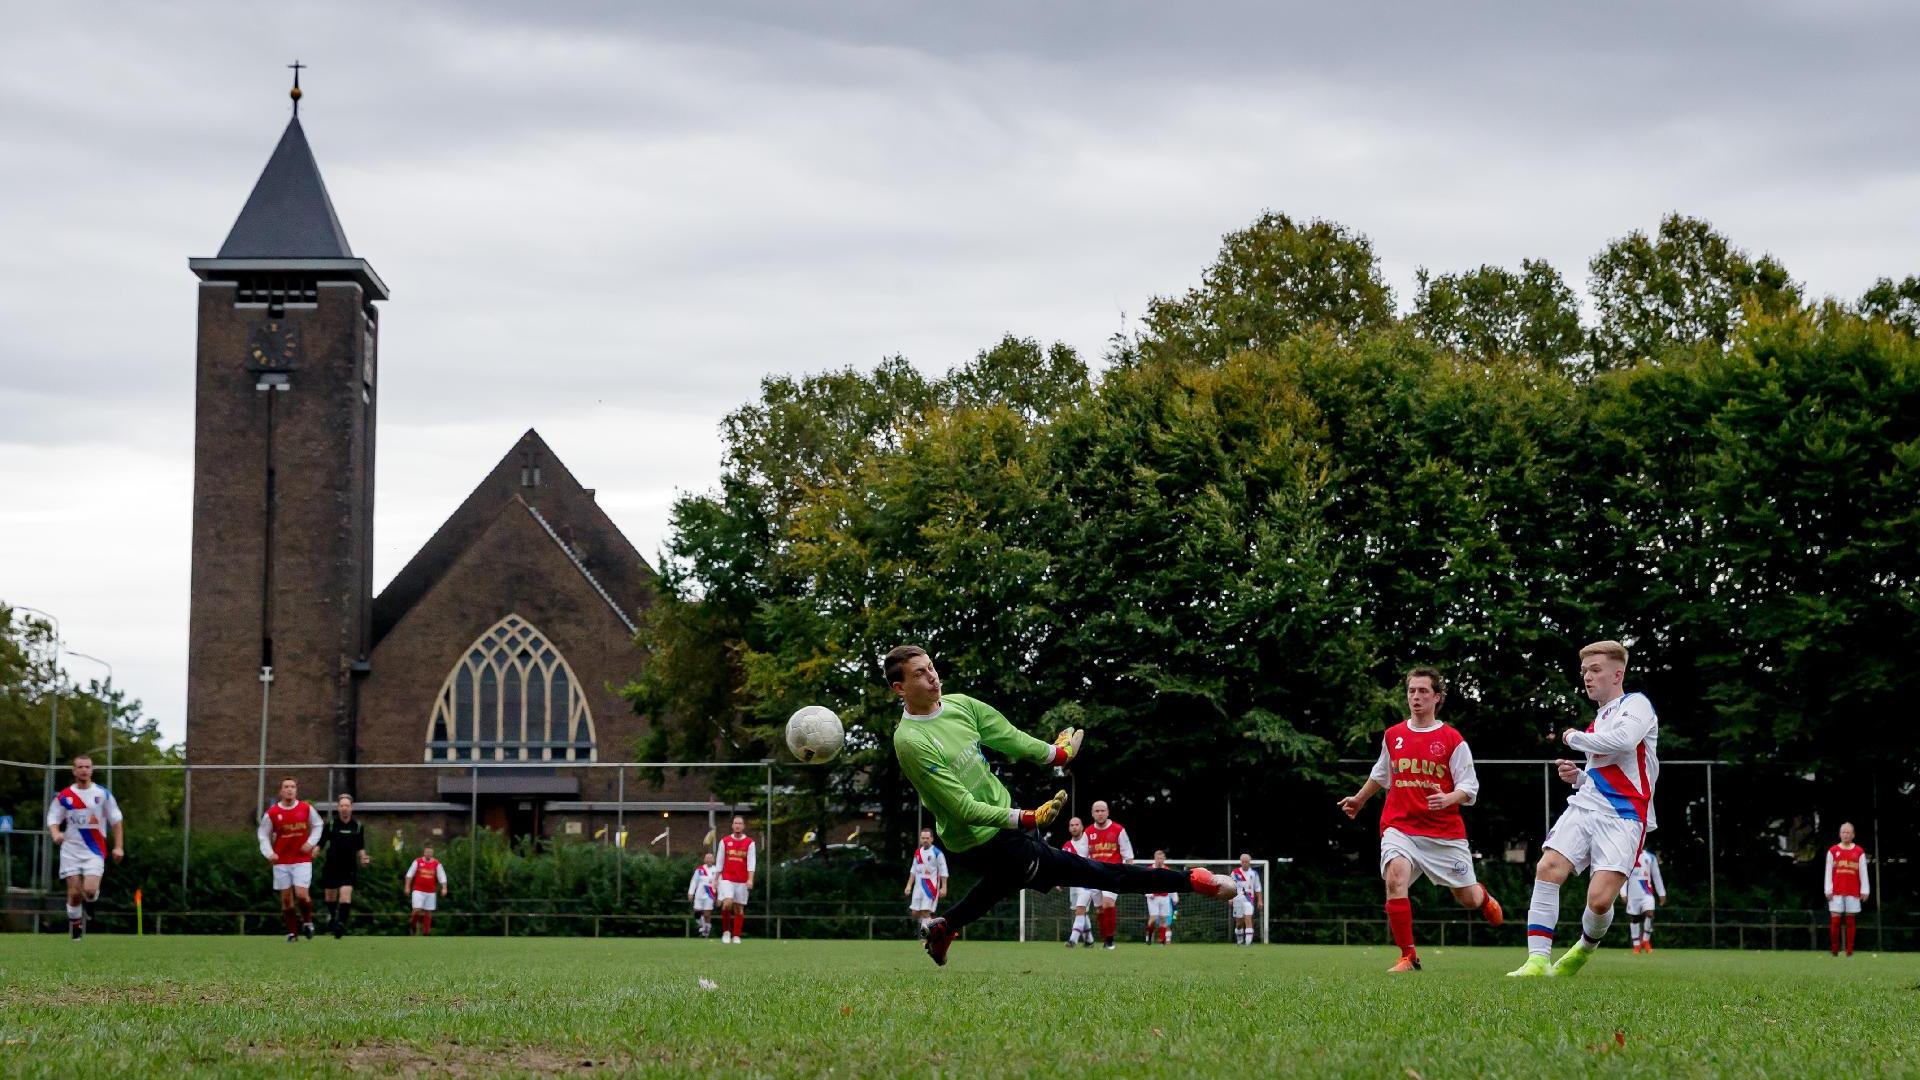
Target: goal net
column 1048, row 916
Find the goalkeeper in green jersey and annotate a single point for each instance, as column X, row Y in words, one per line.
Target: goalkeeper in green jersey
column 939, row 743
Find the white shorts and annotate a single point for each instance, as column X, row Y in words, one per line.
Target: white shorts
column 425, row 901
column 88, row 865
column 1446, row 863
column 1078, row 897
column 703, row 902
column 1844, row 905
column 921, row 901
column 1590, row 839
column 1639, row 905
column 1160, row 907
column 290, row 875
column 1103, row 896
column 735, row 891
column 1241, row 907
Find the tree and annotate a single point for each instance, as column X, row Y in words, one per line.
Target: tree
column 1684, row 286
column 1895, row 303
column 1493, row 311
column 1271, row 281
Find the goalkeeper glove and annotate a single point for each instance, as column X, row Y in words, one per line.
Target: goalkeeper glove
column 1043, row 817
column 1066, row 745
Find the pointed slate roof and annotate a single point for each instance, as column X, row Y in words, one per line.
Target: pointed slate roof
column 289, row 215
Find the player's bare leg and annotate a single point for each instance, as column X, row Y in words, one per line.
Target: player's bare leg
column 1479, row 900
column 303, row 903
column 289, row 917
column 77, row 906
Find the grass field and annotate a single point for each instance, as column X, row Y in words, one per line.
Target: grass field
column 116, row 1006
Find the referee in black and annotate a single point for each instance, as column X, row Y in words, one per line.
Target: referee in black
column 345, row 842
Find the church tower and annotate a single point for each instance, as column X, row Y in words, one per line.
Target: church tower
column 285, row 392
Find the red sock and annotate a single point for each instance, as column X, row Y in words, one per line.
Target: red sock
column 1849, row 935
column 306, row 908
column 1109, row 922
column 1400, row 922
column 1833, row 934
column 288, row 917
column 739, row 923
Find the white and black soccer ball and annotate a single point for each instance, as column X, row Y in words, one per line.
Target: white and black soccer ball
column 815, row 735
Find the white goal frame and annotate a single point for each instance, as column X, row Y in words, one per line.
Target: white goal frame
column 1221, row 867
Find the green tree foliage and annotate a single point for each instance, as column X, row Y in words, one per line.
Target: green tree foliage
column 33, row 687
column 1684, row 286
column 1271, row 281
column 1494, row 312
column 1895, row 302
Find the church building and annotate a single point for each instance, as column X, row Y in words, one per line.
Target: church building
column 502, row 642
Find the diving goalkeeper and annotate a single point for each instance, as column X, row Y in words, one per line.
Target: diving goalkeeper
column 939, row 743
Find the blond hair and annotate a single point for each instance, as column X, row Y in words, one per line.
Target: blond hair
column 1610, row 649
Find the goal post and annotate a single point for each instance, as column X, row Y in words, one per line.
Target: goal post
column 1048, row 916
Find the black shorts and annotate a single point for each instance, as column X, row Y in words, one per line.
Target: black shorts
column 342, row 878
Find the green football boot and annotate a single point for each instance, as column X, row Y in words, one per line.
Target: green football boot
column 1534, row 968
column 1571, row 961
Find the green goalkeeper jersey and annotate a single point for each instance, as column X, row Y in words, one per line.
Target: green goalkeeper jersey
column 941, row 755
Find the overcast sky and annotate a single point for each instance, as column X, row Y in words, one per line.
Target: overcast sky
column 608, row 221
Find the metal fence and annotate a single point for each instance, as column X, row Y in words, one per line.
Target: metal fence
column 1742, row 846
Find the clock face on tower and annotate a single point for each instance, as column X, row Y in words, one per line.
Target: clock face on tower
column 273, row 344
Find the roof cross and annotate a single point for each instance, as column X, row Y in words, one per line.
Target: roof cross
column 295, row 92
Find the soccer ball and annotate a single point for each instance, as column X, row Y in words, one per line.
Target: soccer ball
column 814, row 734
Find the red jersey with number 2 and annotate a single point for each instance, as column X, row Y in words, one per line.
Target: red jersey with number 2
column 1103, row 842
column 292, row 825
column 1420, row 763
column 426, row 875
column 736, row 853
column 1846, row 869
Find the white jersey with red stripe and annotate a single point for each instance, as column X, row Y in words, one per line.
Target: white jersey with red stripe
column 1247, row 881
column 1644, row 883
column 85, row 813
column 929, row 869
column 1622, row 765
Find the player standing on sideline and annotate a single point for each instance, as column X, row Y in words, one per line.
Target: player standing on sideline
column 77, row 821
column 701, row 890
column 1160, row 908
column 939, row 743
column 1427, row 772
column 1246, row 903
column 1642, row 890
column 345, row 842
column 1607, row 817
column 1847, row 886
column 737, row 861
column 926, row 881
column 1080, row 898
column 289, row 831
column 1107, row 842
column 424, row 883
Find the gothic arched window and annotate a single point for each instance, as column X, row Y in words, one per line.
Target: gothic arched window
column 512, row 697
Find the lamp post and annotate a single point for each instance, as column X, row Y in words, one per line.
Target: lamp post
column 53, row 735
column 108, row 695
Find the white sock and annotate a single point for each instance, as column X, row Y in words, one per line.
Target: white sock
column 1593, row 925
column 74, row 911
column 1646, row 928
column 1542, row 914
column 1633, row 930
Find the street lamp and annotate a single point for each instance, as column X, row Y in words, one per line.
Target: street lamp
column 53, row 735
column 108, row 694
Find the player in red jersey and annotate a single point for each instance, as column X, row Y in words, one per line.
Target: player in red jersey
column 425, row 884
column 1107, row 842
column 289, row 831
column 737, row 856
column 1848, row 886
column 1427, row 772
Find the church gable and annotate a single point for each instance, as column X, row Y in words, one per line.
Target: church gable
column 531, row 474
column 513, row 570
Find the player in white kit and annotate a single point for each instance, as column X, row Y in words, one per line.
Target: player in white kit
column 1080, row 899
column 703, row 889
column 926, row 881
column 1247, row 904
column 1608, row 815
column 78, row 821
column 1642, row 891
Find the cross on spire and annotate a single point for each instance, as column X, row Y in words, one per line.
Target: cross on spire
column 295, row 92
